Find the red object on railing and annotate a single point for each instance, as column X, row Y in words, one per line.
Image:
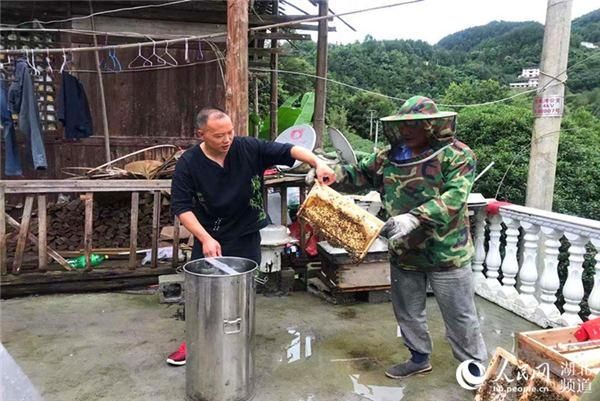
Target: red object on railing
column 269, row 172
column 589, row 330
column 310, row 246
column 494, row 207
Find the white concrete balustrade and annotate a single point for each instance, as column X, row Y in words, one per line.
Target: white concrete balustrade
column 521, row 273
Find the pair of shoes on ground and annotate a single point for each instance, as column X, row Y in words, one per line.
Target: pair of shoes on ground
column 177, row 358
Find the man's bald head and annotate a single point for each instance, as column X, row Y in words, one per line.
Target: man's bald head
column 207, row 113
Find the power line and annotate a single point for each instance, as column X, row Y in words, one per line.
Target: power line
column 207, row 36
column 260, row 69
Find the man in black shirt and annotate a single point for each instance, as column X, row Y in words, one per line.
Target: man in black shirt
column 217, row 190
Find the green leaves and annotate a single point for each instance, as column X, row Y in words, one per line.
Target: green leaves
column 289, row 114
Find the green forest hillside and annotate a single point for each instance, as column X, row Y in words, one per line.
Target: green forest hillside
column 470, row 67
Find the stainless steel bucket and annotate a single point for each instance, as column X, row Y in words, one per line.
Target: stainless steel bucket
column 219, row 316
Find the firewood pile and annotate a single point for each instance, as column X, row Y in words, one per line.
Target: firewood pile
column 112, row 216
column 150, row 169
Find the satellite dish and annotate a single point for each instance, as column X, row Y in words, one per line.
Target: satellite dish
column 299, row 135
column 342, row 146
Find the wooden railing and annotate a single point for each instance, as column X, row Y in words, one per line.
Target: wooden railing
column 530, row 280
column 39, row 189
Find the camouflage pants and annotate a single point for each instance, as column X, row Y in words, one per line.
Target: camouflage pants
column 454, row 293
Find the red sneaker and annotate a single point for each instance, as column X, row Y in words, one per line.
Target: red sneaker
column 177, row 358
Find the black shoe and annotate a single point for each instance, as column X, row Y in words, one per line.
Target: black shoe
column 408, row 368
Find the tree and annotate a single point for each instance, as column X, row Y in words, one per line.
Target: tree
column 359, row 111
column 473, row 92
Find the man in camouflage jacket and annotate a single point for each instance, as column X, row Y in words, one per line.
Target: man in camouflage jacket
column 424, row 178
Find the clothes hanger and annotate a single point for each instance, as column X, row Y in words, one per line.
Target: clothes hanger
column 112, row 53
column 144, row 61
column 186, row 57
column 49, row 69
column 199, row 55
column 169, row 59
column 159, row 59
column 103, row 64
column 36, row 71
column 64, row 66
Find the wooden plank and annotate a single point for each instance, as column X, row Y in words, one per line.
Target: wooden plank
column 57, row 186
column 102, row 279
column 23, row 232
column 281, row 35
column 290, row 181
column 260, row 52
column 3, row 268
column 42, row 233
column 552, row 337
column 51, row 252
column 363, row 275
column 309, row 27
column 155, row 228
column 88, row 228
column 135, row 208
column 175, row 260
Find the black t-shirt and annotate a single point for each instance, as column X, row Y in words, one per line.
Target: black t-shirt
column 228, row 200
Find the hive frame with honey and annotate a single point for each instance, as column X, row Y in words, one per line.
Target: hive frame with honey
column 340, row 221
column 490, row 390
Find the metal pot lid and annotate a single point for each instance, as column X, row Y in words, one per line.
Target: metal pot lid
column 300, row 135
column 342, row 146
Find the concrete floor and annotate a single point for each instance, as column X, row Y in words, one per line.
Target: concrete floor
column 112, row 346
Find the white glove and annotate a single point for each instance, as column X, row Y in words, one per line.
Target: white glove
column 398, row 226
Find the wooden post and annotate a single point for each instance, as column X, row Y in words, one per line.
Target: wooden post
column 256, row 109
column 236, row 93
column 135, row 207
column 321, row 84
column 175, row 259
column 42, row 233
column 274, row 130
column 101, row 89
column 302, row 199
column 88, row 229
column 283, row 196
column 3, row 268
column 23, row 232
column 155, row 229
column 51, row 252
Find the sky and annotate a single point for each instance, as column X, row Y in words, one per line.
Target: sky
column 431, row 20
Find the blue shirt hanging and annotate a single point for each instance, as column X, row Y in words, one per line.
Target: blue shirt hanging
column 73, row 108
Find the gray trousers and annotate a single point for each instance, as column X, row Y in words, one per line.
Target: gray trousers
column 454, row 293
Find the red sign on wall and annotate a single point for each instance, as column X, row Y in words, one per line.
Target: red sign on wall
column 549, row 106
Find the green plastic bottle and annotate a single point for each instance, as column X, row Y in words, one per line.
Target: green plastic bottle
column 79, row 262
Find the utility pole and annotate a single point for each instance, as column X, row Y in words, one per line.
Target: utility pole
column 549, row 105
column 321, row 84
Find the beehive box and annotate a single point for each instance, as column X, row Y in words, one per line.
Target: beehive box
column 569, row 361
column 341, row 222
column 343, row 275
column 510, row 379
